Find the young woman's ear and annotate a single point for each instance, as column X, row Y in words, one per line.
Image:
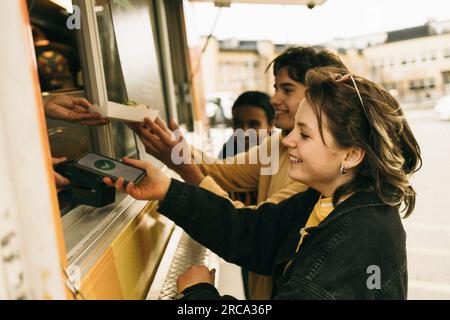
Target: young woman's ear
column 354, row 157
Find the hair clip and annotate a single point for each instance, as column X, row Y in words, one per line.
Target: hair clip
column 340, row 78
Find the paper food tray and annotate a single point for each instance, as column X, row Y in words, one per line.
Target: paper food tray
column 133, row 113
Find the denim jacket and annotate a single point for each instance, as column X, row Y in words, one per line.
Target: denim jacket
column 357, row 252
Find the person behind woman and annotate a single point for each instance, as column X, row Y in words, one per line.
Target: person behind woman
column 343, row 237
column 252, row 114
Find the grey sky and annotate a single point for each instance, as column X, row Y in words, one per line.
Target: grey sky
column 300, row 25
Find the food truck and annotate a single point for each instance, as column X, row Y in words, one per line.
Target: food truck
column 109, row 52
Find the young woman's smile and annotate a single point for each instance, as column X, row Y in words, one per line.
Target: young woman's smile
column 294, row 160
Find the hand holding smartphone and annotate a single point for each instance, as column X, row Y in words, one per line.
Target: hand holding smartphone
column 107, row 167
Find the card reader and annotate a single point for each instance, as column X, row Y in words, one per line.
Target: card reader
column 85, row 188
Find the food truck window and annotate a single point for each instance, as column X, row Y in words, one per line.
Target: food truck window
column 60, row 72
column 59, row 56
column 56, row 48
column 59, row 61
column 98, row 62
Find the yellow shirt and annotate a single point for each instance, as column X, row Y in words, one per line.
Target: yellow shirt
column 321, row 210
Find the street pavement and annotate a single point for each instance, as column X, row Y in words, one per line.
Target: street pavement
column 428, row 228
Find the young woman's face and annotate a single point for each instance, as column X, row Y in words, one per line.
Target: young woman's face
column 311, row 161
column 288, row 95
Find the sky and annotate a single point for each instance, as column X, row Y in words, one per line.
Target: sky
column 295, row 24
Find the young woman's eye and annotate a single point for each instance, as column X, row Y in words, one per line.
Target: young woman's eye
column 304, row 136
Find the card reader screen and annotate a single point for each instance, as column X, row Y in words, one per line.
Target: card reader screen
column 110, row 167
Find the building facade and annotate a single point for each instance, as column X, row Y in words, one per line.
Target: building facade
column 233, row 66
column 413, row 63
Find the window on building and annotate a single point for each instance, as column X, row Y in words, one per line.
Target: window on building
column 446, row 78
column 447, row 53
column 433, row 55
column 420, row 84
column 424, row 56
column 390, row 85
column 377, row 63
column 429, row 83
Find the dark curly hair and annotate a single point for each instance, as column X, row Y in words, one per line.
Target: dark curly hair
column 256, row 99
column 299, row 60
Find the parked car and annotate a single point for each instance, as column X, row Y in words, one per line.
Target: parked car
column 442, row 108
column 218, row 108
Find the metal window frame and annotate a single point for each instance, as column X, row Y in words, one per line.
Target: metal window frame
column 94, row 76
column 163, row 45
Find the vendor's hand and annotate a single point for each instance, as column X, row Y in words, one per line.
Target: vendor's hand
column 73, row 109
column 194, row 275
column 153, row 186
column 159, row 142
column 60, row 181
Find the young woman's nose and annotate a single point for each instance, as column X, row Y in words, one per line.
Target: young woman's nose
column 288, row 141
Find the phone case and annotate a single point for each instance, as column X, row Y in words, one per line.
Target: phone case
column 103, row 174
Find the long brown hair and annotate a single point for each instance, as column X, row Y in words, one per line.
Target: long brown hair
column 378, row 126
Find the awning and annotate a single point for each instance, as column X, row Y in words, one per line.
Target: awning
column 226, row 3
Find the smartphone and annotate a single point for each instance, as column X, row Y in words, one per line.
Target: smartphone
column 108, row 167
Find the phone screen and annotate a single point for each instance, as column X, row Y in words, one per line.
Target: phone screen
column 110, row 167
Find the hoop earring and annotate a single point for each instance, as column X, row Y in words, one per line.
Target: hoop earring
column 343, row 169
